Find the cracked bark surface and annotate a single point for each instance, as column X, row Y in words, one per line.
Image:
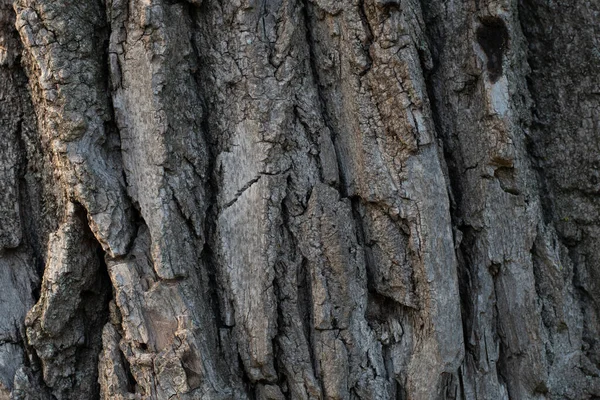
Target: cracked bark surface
column 299, row 199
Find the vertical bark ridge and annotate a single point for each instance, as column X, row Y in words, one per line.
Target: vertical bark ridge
column 262, row 162
column 53, row 33
column 169, row 330
column 378, row 74
column 65, row 324
column 569, row 171
column 23, row 175
column 494, row 181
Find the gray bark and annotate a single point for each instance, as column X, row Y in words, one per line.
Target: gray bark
column 299, row 199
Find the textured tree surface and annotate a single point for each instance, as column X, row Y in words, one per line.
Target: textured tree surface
column 299, row 199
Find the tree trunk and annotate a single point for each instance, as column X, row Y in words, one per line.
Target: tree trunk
column 299, row 199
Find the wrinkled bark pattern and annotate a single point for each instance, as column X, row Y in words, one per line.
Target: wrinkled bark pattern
column 299, row 199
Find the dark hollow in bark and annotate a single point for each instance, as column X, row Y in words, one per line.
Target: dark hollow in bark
column 492, row 36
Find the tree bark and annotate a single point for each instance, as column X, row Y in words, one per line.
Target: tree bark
column 299, row 199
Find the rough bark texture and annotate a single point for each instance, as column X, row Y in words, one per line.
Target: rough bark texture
column 299, row 199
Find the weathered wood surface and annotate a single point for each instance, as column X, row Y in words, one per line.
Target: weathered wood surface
column 299, row 199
